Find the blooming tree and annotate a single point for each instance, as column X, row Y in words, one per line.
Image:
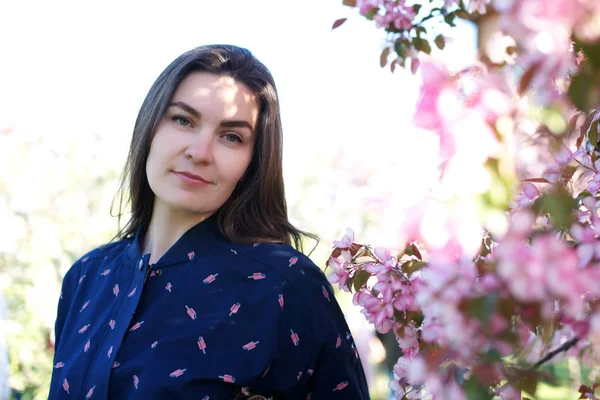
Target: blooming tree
column 498, row 274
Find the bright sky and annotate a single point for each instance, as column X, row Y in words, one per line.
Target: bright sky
column 72, row 68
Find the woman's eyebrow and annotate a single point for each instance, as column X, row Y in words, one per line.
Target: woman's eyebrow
column 225, row 124
column 236, row 124
column 186, row 107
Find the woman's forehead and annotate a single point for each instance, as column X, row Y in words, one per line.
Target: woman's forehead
column 217, row 94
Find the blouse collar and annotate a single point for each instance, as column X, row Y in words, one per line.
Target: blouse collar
column 195, row 241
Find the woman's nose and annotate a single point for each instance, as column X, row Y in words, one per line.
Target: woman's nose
column 200, row 148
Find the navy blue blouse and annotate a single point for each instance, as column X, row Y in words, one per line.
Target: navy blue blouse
column 210, row 320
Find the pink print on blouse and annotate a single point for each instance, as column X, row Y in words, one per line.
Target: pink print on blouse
column 250, row 346
column 201, row 344
column 309, row 372
column 325, row 293
column 227, row 378
column 234, row 309
column 110, row 351
column 293, row 261
column 87, row 346
column 340, row 386
column 308, row 396
column 169, row 286
column 153, row 345
column 266, row 371
column 136, row 381
column 206, row 398
column 233, row 251
column 112, row 324
column 255, row 244
column 59, row 365
column 177, row 373
column 116, row 364
column 354, row 349
column 116, row 289
column 257, row 275
column 211, row 278
column 132, row 292
column 191, row 255
column 65, row 385
column 191, row 312
column 295, row 338
column 84, row 306
column 105, row 272
column 299, row 376
column 81, row 279
column 61, row 294
column 90, row 393
column 280, row 300
column 136, row 326
column 84, row 328
column 338, row 342
column 152, row 273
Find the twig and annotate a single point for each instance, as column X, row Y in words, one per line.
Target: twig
column 564, row 347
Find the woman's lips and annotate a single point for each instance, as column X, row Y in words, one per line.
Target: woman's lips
column 191, row 179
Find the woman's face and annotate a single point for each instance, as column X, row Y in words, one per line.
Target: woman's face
column 203, row 144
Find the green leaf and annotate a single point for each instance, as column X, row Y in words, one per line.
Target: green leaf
column 580, row 90
column 421, row 29
column 462, row 14
column 475, row 390
column 349, row 3
column 360, row 279
column 422, row 45
column 450, row 19
column 426, row 47
column 593, row 134
column 416, row 8
column 591, row 51
column 527, row 381
column 560, row 206
column 400, row 49
column 412, row 266
column 384, row 56
column 440, row 41
column 483, row 307
column 413, row 250
column 371, row 13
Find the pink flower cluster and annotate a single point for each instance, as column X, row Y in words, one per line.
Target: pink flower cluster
column 388, row 12
column 544, row 28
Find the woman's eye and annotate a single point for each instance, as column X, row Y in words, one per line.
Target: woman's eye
column 181, row 120
column 232, row 137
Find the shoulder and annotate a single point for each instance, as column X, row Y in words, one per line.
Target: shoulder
column 96, row 257
column 306, row 286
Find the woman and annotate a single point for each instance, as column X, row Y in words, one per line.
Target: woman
column 202, row 295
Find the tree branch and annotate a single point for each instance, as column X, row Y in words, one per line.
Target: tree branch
column 564, row 347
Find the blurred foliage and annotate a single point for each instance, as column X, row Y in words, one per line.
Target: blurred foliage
column 54, row 194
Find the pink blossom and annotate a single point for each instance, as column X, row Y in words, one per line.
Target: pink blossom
column 397, row 14
column 529, row 194
column 346, row 241
column 340, row 273
column 589, row 245
column 386, row 262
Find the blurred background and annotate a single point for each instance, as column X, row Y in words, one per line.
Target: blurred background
column 72, row 77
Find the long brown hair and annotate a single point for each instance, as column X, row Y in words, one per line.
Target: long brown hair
column 256, row 211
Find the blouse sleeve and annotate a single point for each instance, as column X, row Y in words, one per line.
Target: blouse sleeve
column 316, row 342
column 69, row 285
column 338, row 371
